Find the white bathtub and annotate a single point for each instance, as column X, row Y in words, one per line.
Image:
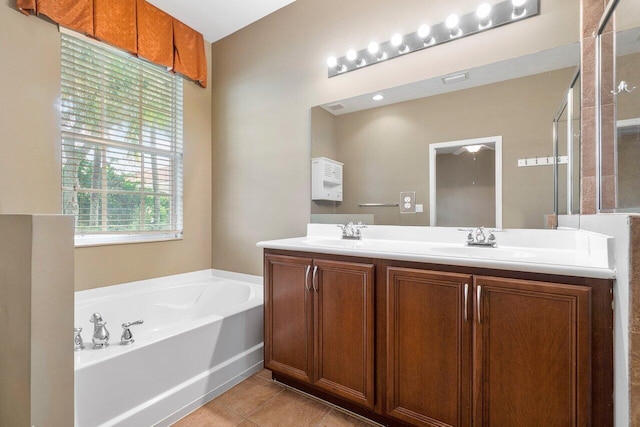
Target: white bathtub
column 202, row 334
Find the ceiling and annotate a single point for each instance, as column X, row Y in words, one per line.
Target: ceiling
column 216, row 19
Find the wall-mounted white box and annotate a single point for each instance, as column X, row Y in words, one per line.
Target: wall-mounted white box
column 326, row 179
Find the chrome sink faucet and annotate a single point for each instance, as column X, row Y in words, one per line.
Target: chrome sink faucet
column 351, row 231
column 477, row 237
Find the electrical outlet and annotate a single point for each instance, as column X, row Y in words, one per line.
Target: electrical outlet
column 408, row 202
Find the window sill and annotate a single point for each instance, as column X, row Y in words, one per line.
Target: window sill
column 89, row 240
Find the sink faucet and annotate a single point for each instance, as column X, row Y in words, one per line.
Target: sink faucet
column 100, row 333
column 477, row 237
column 352, row 231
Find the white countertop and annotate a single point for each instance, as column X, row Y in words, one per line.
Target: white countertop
column 563, row 252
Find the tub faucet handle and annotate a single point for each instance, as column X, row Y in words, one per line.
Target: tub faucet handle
column 127, row 337
column 77, row 339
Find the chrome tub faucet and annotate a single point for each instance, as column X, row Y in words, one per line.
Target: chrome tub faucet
column 100, row 333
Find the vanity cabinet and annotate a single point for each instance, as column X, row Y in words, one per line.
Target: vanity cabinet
column 530, row 344
column 319, row 326
column 449, row 345
column 428, row 347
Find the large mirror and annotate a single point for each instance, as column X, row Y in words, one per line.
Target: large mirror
column 384, row 145
column 619, row 108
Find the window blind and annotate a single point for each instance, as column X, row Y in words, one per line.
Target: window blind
column 121, row 141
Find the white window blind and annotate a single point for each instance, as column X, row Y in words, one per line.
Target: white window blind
column 121, row 142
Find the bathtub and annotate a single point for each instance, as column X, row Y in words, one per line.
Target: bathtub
column 202, row 334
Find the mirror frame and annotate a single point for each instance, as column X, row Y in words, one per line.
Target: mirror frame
column 497, row 142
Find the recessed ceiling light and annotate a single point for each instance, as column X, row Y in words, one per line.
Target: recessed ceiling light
column 378, row 97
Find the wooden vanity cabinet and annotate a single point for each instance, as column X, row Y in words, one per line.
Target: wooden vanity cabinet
column 428, row 347
column 319, row 326
column 530, row 344
column 454, row 346
column 532, row 353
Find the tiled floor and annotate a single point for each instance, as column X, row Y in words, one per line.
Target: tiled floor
column 260, row 402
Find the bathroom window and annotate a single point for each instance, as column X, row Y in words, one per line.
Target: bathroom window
column 121, row 145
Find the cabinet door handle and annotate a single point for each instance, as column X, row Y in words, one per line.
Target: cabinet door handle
column 466, row 300
column 314, row 280
column 479, row 297
column 307, row 285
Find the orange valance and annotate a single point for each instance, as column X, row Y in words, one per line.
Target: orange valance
column 133, row 25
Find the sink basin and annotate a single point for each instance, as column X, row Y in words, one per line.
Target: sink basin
column 479, row 252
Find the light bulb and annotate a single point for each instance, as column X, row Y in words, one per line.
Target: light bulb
column 424, row 31
column 473, row 148
column 352, row 55
column 396, row 39
column 373, row 48
column 484, row 15
column 452, row 21
column 378, row 97
column 519, row 8
column 332, row 62
column 483, row 11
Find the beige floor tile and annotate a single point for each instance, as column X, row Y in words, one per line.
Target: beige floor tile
column 339, row 419
column 289, row 409
column 211, row 415
column 247, row 423
column 249, row 395
column 265, row 373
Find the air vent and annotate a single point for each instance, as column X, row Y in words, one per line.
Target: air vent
column 335, row 107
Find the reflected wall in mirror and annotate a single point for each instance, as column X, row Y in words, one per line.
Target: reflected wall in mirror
column 385, row 149
column 620, row 111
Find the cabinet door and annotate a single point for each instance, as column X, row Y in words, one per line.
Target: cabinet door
column 345, row 330
column 428, row 347
column 532, row 353
column 288, row 328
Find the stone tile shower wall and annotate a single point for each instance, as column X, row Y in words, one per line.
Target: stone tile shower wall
column 591, row 11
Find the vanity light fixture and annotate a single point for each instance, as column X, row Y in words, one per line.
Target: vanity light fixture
column 378, row 97
column 453, row 24
column 484, row 18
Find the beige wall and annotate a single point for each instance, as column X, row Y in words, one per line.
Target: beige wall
column 30, row 175
column 466, row 191
column 386, row 150
column 36, row 312
column 271, row 73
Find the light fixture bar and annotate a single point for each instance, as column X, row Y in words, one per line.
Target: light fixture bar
column 503, row 13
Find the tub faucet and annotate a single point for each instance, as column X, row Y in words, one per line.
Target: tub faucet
column 100, row 333
column 127, row 337
column 77, row 339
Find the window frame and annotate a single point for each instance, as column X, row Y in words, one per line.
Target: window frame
column 175, row 155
